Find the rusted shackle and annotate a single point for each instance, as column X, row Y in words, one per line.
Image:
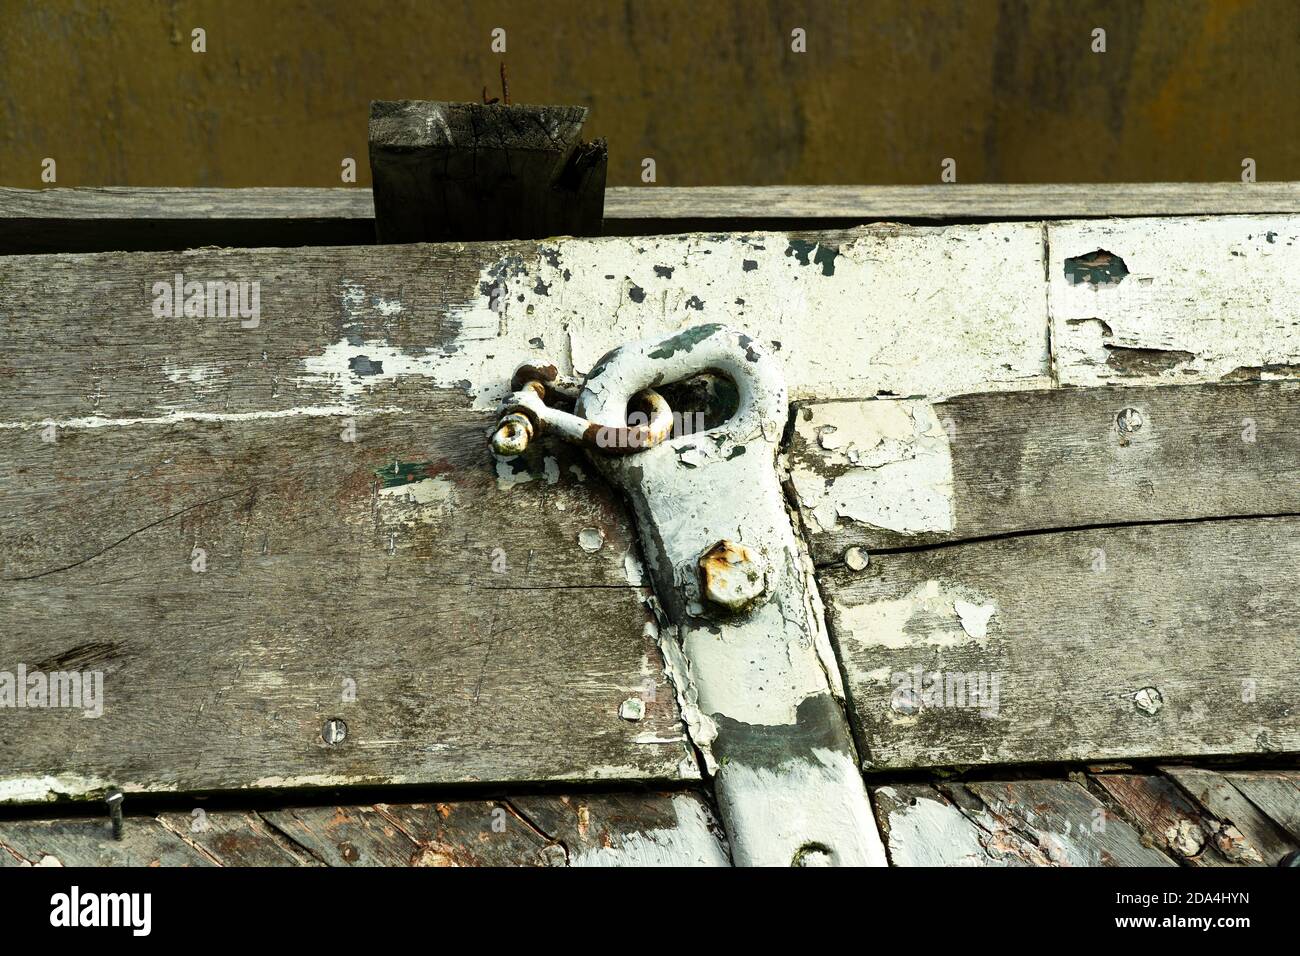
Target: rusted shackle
column 525, row 414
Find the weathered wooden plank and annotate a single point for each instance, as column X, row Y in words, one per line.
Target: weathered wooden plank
column 1174, row 300
column 848, row 313
column 888, row 473
column 464, row 833
column 629, row 829
column 607, row 829
column 1276, row 792
column 89, row 842
column 138, row 219
column 239, row 583
column 1260, row 836
column 234, row 838
column 1072, row 827
column 472, row 833
column 951, row 201
column 54, row 220
column 924, row 827
column 1173, row 823
column 1174, row 639
column 465, row 171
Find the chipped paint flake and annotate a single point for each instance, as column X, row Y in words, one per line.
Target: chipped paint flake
column 931, row 614
column 885, row 464
column 974, row 617
column 425, row 501
column 1205, row 299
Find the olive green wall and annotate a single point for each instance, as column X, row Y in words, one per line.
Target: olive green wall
column 709, row 88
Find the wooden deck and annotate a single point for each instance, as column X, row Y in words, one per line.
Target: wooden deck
column 1170, row 816
column 1051, row 465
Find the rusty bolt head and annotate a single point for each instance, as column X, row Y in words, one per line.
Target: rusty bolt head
column 732, row 576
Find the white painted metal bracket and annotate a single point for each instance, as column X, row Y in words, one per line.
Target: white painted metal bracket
column 743, row 631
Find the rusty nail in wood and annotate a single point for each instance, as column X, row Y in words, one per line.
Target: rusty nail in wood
column 505, row 85
column 114, row 801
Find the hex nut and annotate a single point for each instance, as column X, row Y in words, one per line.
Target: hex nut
column 732, row 576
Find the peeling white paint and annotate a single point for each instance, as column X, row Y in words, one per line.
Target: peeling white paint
column 772, row 813
column 48, row 787
column 885, row 464
column 701, row 728
column 933, row 833
column 192, row 374
column 633, row 569
column 931, row 614
column 325, row 780
column 798, row 675
column 974, row 617
column 550, row 470
column 1206, row 296
column 692, row 842
column 870, row 298
column 425, row 501
column 507, row 475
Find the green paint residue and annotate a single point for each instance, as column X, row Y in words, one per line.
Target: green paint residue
column 813, row 253
column 1096, row 268
column 403, row 473
column 684, row 341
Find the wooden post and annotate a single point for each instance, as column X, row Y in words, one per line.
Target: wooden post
column 465, row 171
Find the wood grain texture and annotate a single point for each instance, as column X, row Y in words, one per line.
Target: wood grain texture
column 480, row 640
column 1005, row 463
column 1212, row 790
column 1173, row 823
column 135, row 218
column 382, row 325
column 464, row 171
column 1277, row 793
column 1149, row 640
column 1048, row 822
column 1196, row 299
column 924, row 827
column 1071, row 826
column 611, row 829
column 890, row 309
column 956, row 201
column 89, row 842
column 230, row 838
column 605, row 829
